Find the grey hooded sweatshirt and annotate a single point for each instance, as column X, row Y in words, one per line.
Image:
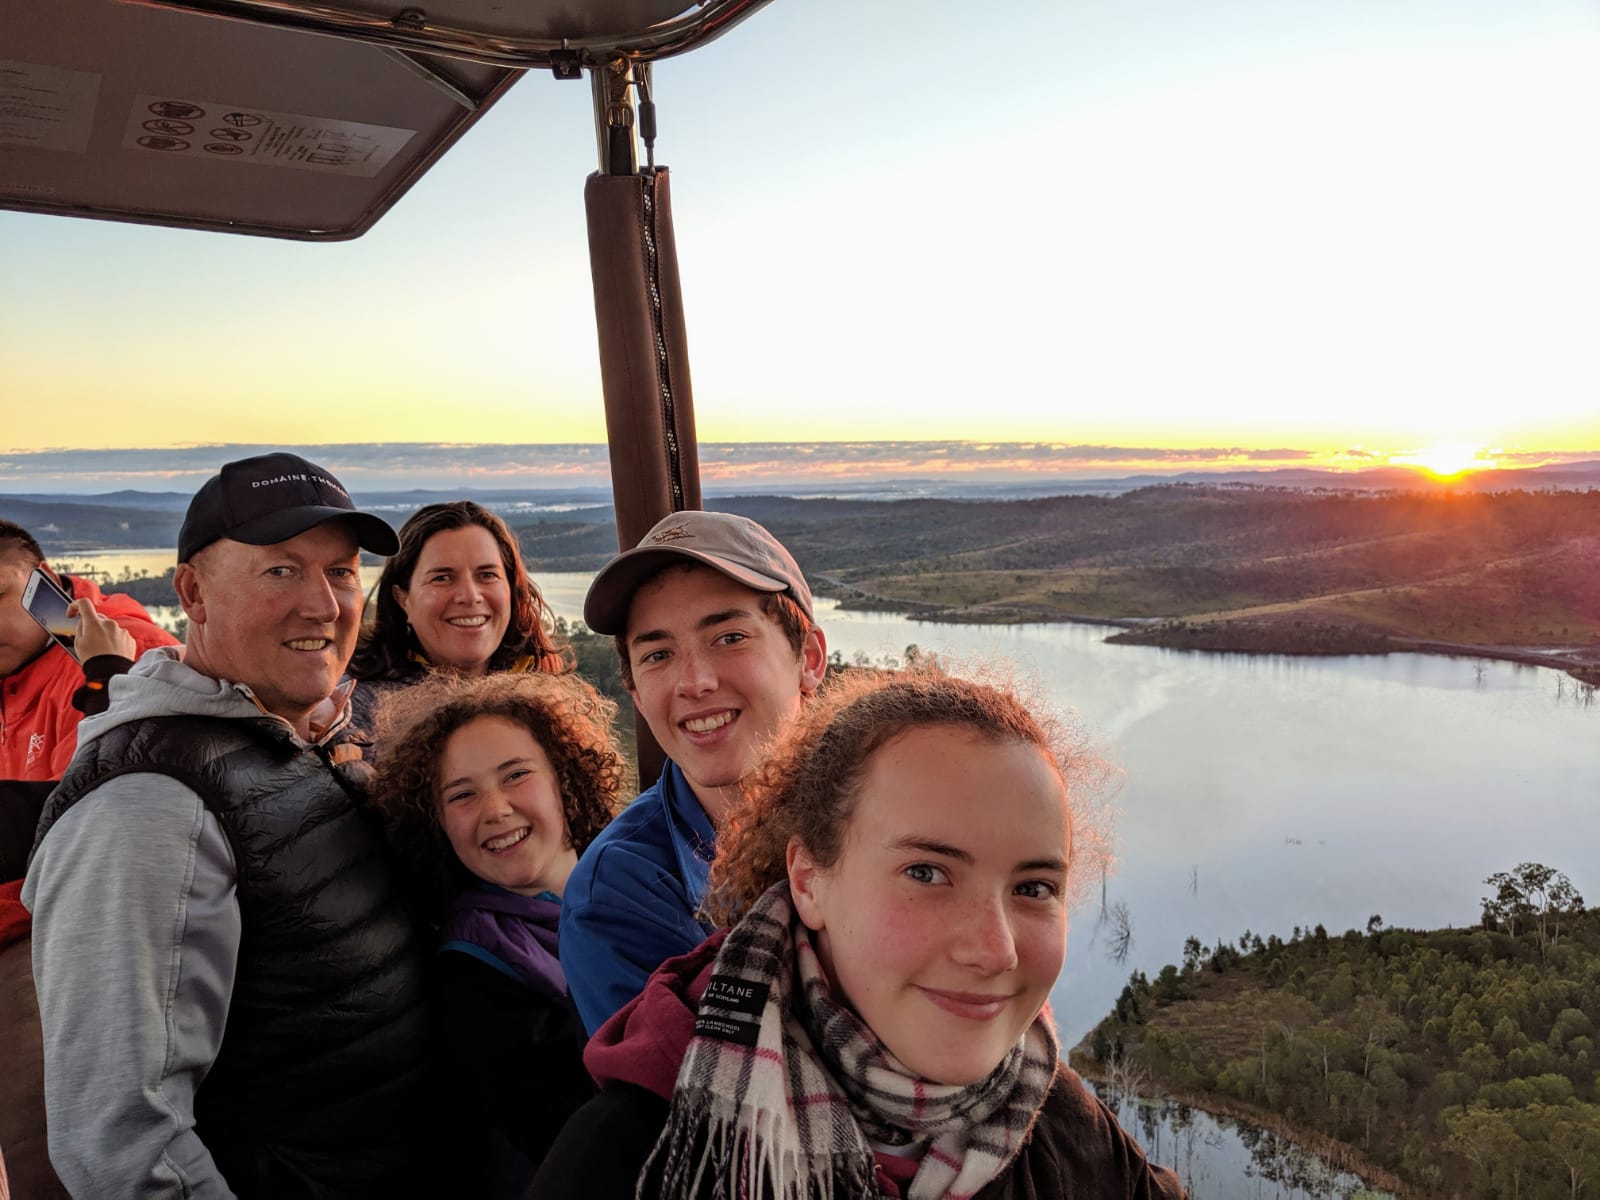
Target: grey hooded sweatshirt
column 135, row 948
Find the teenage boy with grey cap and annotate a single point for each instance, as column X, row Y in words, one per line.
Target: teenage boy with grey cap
column 714, row 627
column 229, row 985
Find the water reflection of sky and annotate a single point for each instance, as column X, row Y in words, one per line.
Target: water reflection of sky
column 1219, row 1160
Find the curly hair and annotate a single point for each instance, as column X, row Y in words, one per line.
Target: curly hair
column 569, row 719
column 387, row 645
column 808, row 786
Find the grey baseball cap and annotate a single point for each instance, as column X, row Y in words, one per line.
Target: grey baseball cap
column 736, row 546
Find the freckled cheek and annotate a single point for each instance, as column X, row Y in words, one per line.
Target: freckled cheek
column 1041, row 949
column 901, row 939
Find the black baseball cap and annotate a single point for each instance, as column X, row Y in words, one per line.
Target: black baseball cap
column 736, row 546
column 271, row 498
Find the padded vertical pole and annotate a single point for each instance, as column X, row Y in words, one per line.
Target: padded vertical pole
column 644, row 364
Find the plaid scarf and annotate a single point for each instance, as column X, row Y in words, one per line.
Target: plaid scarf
column 783, row 1089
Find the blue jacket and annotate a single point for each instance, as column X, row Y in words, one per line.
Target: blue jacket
column 633, row 900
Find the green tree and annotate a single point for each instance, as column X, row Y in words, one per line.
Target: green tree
column 1572, row 1132
column 1480, row 1062
column 1570, row 1024
column 1169, row 986
column 1532, row 895
column 1193, row 954
column 1489, row 1140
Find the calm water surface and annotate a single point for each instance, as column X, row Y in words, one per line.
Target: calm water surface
column 1219, row 1160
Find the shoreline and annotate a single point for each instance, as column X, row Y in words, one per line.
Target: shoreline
column 1295, row 638
column 1341, row 1156
column 1585, row 670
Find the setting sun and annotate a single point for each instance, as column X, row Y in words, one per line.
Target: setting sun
column 1446, row 461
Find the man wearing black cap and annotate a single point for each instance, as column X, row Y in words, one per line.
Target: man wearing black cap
column 228, row 982
column 718, row 647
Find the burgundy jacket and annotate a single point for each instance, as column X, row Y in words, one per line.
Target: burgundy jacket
column 1076, row 1147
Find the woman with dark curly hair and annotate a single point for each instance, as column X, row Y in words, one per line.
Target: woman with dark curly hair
column 455, row 597
column 874, row 1025
column 491, row 788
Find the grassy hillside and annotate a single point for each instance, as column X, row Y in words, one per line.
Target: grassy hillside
column 1508, row 568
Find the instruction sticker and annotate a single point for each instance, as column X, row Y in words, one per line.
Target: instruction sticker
column 46, row 108
column 180, row 127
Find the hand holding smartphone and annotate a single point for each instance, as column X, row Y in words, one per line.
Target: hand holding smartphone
column 47, row 604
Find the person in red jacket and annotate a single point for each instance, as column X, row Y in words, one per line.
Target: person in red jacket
column 38, row 679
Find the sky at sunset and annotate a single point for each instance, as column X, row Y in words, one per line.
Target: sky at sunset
column 1335, row 233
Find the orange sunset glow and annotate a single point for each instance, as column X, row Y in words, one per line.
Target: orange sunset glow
column 1447, row 461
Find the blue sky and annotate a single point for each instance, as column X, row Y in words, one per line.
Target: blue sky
column 1365, row 226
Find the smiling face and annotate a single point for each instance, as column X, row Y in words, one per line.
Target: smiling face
column 499, row 804
column 713, row 675
column 459, row 599
column 21, row 637
column 281, row 619
column 943, row 922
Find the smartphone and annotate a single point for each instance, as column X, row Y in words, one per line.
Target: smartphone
column 47, row 604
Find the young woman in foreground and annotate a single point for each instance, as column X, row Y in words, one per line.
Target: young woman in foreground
column 491, row 788
column 873, row 1024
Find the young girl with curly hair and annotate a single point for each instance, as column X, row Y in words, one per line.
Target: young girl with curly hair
column 491, row 788
column 875, row 1023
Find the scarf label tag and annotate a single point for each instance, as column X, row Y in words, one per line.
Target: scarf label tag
column 732, row 994
column 727, row 1029
column 730, row 1010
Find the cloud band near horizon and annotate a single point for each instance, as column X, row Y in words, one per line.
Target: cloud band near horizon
column 571, row 465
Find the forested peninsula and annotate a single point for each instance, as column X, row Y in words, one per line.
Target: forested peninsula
column 1512, row 574
column 1508, row 574
column 1442, row 1063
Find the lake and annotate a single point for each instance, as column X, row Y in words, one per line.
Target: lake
column 1264, row 792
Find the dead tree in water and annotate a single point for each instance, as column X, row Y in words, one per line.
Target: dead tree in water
column 1126, row 1078
column 1120, row 941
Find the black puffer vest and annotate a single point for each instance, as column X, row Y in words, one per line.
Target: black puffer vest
column 318, row 1087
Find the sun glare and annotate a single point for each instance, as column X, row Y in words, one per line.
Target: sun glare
column 1446, row 461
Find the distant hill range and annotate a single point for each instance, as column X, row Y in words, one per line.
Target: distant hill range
column 1512, row 574
column 1242, row 565
column 75, row 522
column 1561, row 475
column 72, row 524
